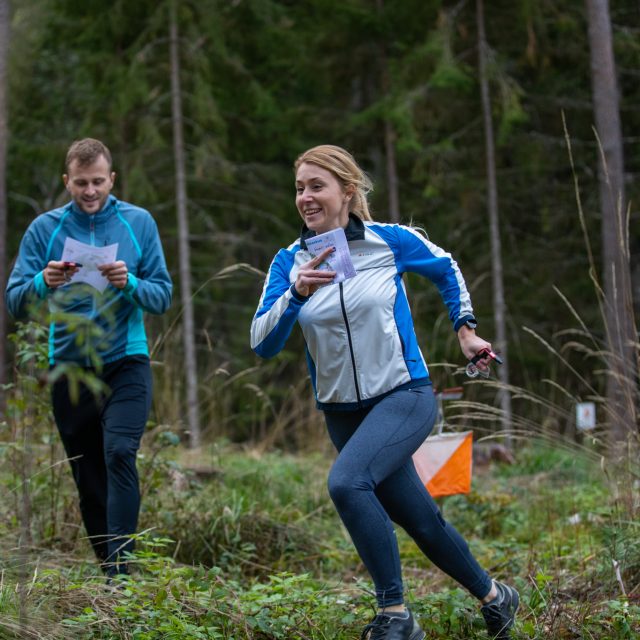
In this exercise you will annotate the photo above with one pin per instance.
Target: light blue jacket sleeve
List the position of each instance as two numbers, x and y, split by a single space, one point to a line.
278 308
152 288
26 283
417 254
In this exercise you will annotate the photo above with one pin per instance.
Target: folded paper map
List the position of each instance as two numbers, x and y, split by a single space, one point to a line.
340 260
90 258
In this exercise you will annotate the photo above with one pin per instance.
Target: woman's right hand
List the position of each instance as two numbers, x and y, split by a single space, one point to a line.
310 278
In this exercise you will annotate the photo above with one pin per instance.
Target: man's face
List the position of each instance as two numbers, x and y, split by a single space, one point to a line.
89 185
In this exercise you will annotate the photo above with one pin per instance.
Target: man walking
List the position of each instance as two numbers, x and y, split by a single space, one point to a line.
98 263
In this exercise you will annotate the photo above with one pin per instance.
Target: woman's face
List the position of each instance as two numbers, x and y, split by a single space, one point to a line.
320 198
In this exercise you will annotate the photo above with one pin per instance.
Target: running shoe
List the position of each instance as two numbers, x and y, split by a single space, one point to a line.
389 626
500 613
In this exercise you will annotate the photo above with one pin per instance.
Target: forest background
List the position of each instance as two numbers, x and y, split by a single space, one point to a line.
398 84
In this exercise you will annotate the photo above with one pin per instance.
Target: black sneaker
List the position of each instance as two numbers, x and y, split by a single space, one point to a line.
387 626
500 613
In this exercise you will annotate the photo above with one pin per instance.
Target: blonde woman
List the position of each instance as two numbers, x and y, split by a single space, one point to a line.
372 383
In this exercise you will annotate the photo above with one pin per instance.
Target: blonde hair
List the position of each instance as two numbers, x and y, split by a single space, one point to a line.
346 170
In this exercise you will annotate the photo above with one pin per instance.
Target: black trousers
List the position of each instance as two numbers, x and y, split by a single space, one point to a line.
101 437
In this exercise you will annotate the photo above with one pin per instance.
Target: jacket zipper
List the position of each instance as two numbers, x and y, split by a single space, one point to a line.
92 242
353 358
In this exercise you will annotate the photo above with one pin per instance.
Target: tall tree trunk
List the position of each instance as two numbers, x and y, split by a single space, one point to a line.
499 306
392 170
184 258
5 18
620 325
389 133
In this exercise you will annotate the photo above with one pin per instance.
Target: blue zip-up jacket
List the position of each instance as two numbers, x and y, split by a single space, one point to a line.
359 334
116 314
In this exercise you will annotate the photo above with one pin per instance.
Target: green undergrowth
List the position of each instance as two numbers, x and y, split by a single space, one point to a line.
247 513
237 544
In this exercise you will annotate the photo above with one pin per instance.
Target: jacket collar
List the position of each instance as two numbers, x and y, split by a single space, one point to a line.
109 207
354 231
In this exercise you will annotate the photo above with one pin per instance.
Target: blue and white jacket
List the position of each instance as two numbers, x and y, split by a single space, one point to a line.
118 314
360 339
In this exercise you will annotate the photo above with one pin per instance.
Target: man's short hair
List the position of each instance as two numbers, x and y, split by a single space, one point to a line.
86 152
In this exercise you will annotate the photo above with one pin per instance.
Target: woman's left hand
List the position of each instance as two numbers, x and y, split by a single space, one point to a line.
471 344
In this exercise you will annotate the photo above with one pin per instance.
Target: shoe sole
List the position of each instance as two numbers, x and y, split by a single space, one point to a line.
515 598
416 635
515 601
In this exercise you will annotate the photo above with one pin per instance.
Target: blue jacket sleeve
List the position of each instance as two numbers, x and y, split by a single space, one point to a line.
417 254
26 283
152 288
278 308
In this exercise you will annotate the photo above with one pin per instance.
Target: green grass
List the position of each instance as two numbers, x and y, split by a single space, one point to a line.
253 550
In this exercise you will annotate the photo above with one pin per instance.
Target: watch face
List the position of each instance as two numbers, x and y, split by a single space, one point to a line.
471 324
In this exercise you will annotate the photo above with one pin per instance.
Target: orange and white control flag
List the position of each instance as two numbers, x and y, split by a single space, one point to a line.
444 463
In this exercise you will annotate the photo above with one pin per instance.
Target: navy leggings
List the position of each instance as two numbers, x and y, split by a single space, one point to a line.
374 482
101 438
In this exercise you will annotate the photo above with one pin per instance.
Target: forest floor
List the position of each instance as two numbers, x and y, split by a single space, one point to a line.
239 544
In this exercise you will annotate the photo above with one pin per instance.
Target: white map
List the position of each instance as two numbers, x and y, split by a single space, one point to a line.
340 260
90 258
